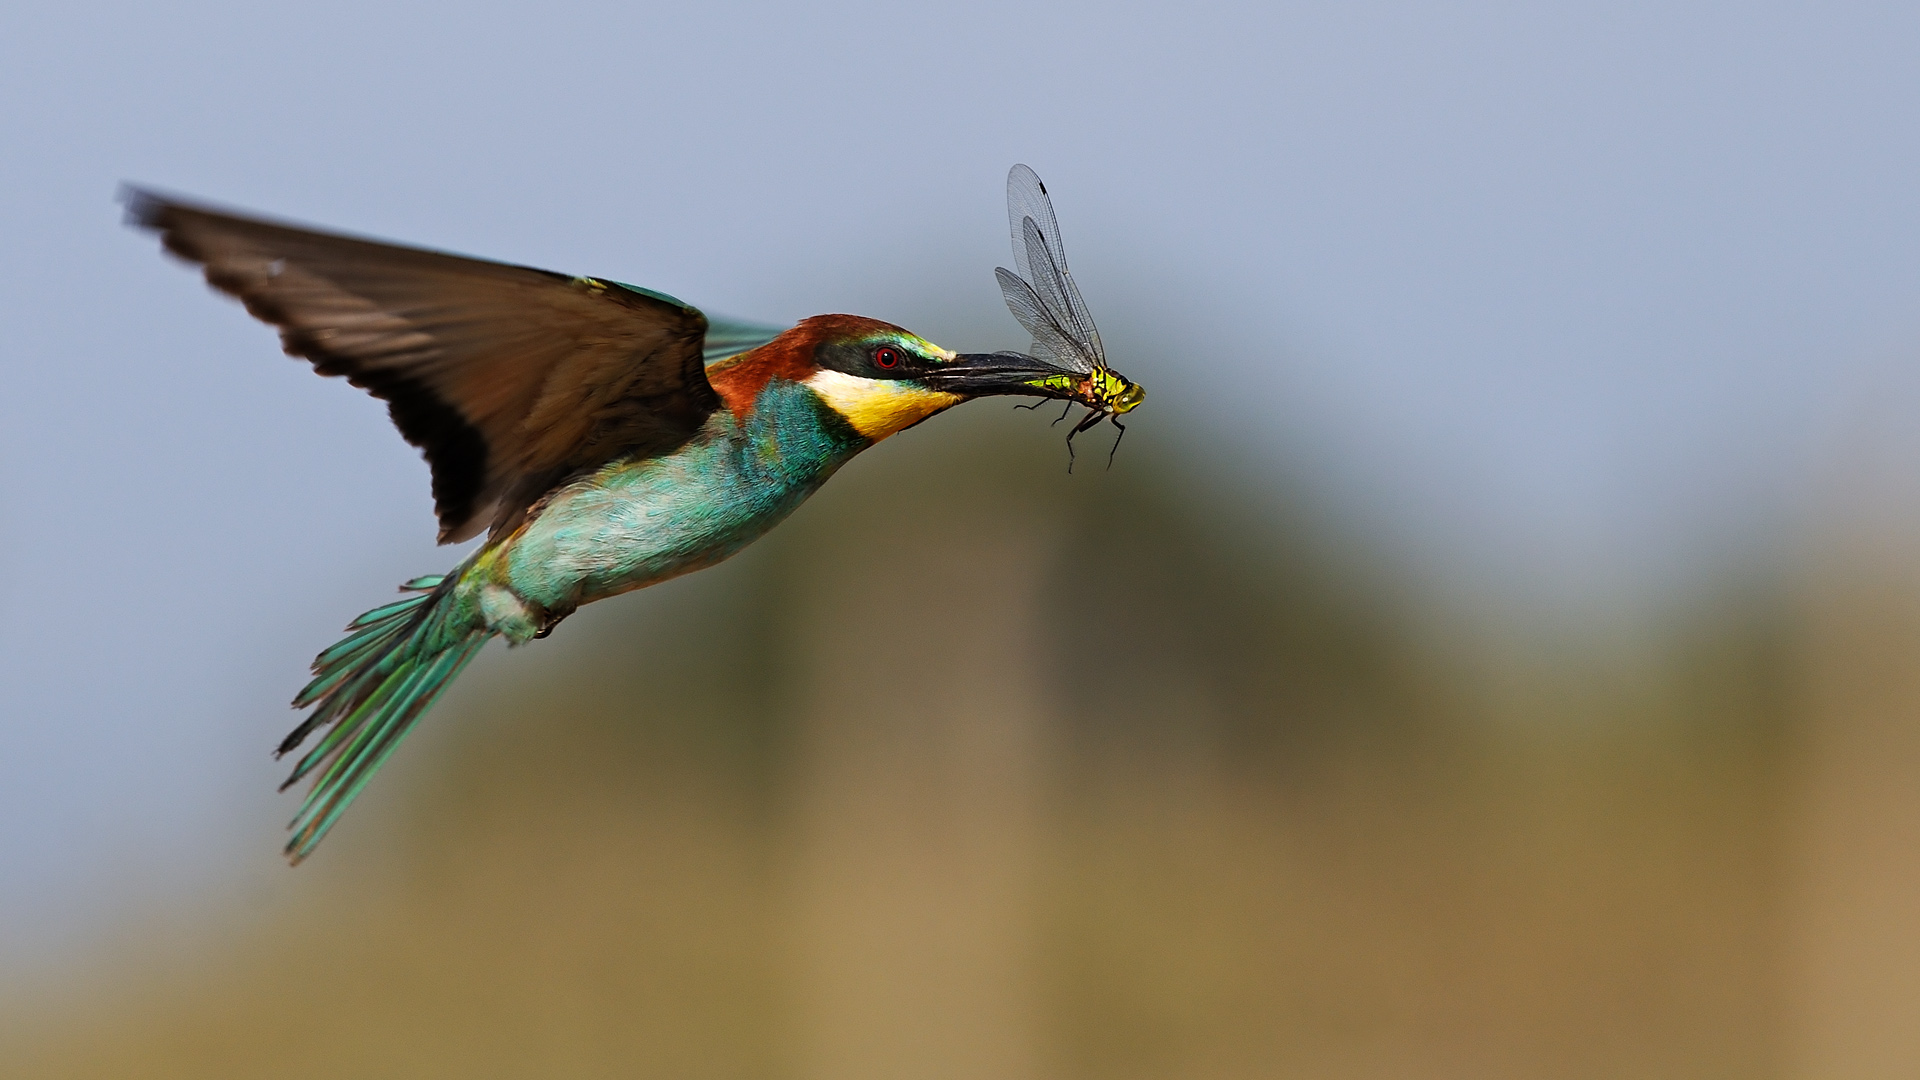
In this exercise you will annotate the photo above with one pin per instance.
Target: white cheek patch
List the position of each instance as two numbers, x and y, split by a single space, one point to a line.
878 407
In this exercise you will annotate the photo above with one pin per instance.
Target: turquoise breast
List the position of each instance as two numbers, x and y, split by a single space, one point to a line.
636 522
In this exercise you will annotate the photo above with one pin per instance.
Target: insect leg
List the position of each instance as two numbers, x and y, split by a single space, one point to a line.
1116 439
1086 422
1063 416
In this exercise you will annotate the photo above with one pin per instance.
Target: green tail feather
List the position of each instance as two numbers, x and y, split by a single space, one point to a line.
370 687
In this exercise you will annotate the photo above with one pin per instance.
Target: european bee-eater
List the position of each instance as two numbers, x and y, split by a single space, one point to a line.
605 437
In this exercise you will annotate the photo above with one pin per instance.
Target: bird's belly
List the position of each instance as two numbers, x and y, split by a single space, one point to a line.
637 523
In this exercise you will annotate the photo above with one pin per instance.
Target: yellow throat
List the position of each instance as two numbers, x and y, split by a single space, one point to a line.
879 407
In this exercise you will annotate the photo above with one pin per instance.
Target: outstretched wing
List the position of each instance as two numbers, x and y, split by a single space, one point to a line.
508 378
1040 292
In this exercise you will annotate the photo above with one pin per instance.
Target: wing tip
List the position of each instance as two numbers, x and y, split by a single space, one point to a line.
159 213
145 209
151 208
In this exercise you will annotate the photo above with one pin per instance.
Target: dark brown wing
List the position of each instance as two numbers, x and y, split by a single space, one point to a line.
508 378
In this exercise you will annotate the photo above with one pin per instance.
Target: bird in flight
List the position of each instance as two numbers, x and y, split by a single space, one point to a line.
604 437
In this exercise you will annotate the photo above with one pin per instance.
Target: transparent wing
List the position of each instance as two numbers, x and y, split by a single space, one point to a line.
1041 262
1051 341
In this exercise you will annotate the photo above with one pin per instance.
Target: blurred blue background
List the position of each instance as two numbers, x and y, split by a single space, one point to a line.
1558 310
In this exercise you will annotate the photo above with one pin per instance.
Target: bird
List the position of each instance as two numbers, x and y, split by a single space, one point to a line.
603 437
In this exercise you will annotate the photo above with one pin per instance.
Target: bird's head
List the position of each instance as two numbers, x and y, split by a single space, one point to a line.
881 378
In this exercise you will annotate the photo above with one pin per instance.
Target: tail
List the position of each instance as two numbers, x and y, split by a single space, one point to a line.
371 687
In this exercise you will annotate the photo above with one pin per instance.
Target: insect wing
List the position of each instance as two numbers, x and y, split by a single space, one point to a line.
1055 287
1041 259
1027 198
1051 341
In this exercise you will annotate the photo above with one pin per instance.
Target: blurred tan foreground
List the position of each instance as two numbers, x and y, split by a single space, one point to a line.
979 770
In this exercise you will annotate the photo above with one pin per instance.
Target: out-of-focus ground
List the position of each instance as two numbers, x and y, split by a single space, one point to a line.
976 769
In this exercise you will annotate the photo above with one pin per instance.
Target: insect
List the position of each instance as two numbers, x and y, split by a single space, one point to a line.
1042 296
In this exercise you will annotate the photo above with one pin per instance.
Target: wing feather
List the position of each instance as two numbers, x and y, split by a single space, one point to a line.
508 378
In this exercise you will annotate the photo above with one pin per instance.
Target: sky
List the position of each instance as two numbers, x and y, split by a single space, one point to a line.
1564 301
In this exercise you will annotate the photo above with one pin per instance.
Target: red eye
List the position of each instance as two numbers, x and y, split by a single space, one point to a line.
886 356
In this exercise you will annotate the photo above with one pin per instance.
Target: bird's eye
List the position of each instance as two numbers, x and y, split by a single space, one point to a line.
887 356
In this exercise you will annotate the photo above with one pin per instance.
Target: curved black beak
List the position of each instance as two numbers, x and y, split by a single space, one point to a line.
1102 389
985 374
